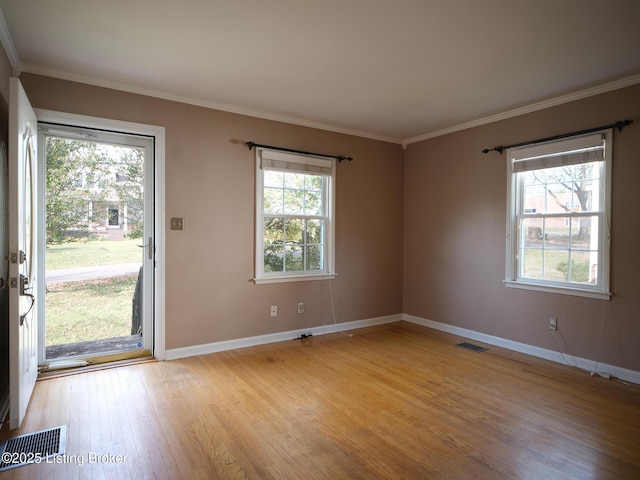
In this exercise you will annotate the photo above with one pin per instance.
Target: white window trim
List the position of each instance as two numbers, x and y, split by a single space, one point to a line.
600 291
311 162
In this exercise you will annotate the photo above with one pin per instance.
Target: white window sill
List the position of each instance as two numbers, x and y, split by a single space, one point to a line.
294 278
579 292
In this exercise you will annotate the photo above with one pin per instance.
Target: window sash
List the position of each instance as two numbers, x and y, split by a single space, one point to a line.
573 251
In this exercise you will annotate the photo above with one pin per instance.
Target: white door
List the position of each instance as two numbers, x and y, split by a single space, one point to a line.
23 335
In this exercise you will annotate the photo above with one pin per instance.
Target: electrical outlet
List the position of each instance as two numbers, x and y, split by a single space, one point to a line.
553 323
300 307
274 310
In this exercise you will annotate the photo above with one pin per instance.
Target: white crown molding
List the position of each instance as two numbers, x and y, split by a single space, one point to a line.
49 72
225 107
552 102
9 47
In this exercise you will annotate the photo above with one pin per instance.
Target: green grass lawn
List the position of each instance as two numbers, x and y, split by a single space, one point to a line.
91 253
91 310
556 266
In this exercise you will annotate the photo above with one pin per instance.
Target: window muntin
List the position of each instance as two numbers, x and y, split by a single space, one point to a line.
294 227
558 235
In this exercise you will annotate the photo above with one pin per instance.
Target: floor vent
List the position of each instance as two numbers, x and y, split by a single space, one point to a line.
471 346
32 447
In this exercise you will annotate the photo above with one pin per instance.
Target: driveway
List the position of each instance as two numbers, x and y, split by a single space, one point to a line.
91 273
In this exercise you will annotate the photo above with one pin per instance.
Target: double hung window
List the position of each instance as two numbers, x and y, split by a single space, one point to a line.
558 215
294 217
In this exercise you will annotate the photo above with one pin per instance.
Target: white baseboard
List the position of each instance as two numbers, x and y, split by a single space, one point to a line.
175 353
582 363
558 357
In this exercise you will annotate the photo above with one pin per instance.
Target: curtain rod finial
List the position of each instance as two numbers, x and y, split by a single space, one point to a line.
623 123
498 149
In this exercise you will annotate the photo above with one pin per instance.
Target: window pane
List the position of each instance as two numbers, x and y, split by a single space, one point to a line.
532 231
273 200
314 231
584 233
556 232
559 198
273 258
534 199
556 265
313 182
293 230
559 174
293 258
313 203
583 197
294 180
586 171
531 263
581 268
314 257
293 202
273 231
273 179
535 177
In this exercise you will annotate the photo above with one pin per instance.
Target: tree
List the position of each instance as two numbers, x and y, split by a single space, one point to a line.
127 183
82 176
68 163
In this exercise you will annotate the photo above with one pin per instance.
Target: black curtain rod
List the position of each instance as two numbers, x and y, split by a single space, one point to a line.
338 157
619 125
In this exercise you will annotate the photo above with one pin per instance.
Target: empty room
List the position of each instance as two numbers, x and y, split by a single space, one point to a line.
320 240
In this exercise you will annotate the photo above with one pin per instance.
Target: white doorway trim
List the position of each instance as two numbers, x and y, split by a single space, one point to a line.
159 212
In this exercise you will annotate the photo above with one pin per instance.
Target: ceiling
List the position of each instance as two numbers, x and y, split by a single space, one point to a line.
396 70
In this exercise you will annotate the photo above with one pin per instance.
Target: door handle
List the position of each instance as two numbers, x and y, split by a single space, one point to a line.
24 281
150 247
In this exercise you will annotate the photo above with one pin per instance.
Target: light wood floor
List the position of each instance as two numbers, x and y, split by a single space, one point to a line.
393 401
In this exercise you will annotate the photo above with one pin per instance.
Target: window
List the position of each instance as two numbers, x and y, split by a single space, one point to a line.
114 217
558 215
294 217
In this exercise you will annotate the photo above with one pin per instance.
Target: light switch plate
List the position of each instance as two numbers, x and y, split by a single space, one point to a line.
176 223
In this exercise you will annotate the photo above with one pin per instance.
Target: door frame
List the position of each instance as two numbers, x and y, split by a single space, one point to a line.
158 133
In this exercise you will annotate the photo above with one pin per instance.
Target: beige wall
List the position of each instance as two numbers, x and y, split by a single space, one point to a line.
210 182
455 217
454 226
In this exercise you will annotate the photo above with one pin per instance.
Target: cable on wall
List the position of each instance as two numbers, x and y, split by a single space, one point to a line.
340 158
619 125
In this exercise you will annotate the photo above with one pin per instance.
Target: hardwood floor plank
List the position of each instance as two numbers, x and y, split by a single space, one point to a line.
394 401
